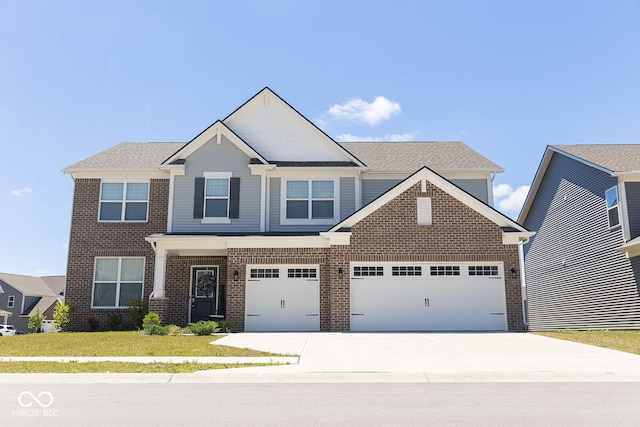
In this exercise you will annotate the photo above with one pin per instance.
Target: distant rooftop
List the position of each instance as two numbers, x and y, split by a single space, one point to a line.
615 157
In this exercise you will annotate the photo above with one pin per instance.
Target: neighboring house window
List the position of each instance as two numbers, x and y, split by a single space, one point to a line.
612 206
11 301
117 281
309 201
124 201
217 197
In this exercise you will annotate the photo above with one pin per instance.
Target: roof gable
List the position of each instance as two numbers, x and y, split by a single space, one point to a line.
213 132
34 286
281 133
424 175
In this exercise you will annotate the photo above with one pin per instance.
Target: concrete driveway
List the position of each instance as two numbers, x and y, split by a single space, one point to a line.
435 357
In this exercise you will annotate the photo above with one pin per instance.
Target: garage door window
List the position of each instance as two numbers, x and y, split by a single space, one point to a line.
483 270
265 273
406 270
302 273
368 271
445 270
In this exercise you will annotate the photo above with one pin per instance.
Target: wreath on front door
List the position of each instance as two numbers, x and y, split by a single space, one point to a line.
206 284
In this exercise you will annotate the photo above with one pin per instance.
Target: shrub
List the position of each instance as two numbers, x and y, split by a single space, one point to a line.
153 329
114 322
174 330
203 327
151 318
36 321
137 311
225 325
62 316
93 323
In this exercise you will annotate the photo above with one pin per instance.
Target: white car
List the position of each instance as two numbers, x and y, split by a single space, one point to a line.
7 330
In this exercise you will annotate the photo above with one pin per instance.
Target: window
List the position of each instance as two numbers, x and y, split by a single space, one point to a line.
11 301
216 198
124 201
483 270
445 270
611 196
406 270
309 200
117 281
267 273
302 273
368 271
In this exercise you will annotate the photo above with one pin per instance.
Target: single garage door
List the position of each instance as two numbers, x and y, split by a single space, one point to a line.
428 297
282 298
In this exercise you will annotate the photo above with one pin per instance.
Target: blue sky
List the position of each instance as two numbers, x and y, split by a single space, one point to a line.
505 77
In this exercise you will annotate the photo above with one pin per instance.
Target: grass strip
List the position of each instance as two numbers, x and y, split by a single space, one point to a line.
627 341
127 343
113 367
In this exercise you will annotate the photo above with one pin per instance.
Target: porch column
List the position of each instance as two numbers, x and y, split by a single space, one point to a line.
158 275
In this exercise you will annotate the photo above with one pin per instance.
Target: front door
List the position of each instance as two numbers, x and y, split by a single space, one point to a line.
205 294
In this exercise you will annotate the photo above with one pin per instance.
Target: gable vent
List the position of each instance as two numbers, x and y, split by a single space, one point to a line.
424 210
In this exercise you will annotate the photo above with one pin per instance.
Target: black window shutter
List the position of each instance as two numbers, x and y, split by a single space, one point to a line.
198 198
234 198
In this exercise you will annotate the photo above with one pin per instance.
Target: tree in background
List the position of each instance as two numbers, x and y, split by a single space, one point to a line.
36 320
61 316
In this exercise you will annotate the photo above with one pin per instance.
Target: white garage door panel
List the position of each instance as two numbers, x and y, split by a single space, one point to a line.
283 303
422 303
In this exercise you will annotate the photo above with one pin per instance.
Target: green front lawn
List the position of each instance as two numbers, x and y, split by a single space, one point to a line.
112 367
128 343
627 341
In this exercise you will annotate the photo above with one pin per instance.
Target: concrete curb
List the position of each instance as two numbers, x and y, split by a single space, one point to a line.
157 359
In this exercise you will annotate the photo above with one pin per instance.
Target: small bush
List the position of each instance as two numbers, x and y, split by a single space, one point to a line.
137 310
62 316
174 330
225 325
93 323
114 322
36 320
203 327
153 329
151 319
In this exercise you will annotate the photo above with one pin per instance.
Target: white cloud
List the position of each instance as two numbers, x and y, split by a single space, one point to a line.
21 191
360 110
508 200
393 137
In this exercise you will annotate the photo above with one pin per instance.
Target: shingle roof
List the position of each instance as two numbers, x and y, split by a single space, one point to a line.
378 156
410 156
34 286
128 156
615 157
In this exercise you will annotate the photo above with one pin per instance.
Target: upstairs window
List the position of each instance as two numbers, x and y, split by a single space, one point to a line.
611 196
124 201
216 198
309 201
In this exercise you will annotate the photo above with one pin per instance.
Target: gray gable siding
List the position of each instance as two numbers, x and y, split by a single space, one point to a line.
347 188
20 323
373 188
633 207
213 157
575 277
476 187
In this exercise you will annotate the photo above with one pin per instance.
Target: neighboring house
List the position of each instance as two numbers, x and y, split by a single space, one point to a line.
265 220
24 294
582 266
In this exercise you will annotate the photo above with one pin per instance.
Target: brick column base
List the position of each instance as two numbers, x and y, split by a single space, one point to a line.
160 306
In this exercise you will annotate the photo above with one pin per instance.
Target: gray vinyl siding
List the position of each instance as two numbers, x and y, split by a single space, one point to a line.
20 323
347 188
476 187
633 207
373 188
575 277
211 157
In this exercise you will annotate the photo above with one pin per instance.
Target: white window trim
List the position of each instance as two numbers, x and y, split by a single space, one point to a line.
93 280
617 207
124 201
309 221
216 220
11 301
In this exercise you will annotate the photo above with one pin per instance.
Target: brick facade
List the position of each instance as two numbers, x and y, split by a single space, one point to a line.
457 234
90 238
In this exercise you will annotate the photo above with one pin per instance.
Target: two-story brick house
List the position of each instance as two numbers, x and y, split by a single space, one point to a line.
265 220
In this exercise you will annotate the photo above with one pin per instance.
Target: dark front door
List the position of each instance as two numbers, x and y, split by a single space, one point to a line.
204 293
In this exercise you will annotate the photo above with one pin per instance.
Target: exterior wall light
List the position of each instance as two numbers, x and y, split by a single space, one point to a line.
340 273
235 276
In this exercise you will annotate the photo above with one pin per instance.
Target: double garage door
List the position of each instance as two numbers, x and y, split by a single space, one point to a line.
428 297
282 298
384 297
